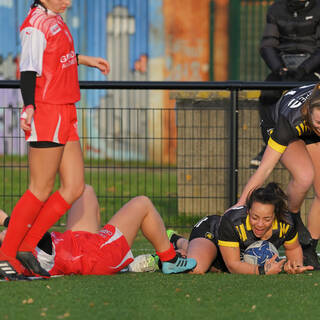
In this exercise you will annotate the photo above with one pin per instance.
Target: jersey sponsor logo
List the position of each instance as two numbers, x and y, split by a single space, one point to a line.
300 100
68 59
209 235
55 29
269 131
106 232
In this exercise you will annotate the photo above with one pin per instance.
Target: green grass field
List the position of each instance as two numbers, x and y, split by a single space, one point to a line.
151 295
158 296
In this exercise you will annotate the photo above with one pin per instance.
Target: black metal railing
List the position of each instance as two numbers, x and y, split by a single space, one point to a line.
235 141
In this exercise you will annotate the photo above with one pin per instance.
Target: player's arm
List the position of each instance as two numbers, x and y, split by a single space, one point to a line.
270 43
312 63
94 62
269 160
231 257
294 256
33 44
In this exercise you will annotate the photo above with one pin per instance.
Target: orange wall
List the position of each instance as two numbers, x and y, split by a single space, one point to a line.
186 39
187 50
221 40
186 26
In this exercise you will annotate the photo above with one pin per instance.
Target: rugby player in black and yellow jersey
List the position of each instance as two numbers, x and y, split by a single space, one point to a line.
217 243
294 135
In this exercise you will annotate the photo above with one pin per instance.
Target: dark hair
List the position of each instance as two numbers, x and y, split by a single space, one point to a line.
36 3
271 194
312 103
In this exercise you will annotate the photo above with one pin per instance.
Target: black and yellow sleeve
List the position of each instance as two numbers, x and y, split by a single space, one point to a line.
227 236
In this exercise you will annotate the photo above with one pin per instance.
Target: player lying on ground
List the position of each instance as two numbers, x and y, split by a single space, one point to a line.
84 248
292 135
217 243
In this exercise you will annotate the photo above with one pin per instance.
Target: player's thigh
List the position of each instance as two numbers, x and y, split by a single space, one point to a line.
204 251
72 170
43 164
84 214
297 160
130 217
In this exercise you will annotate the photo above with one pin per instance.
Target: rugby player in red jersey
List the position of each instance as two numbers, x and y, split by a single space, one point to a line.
50 89
84 248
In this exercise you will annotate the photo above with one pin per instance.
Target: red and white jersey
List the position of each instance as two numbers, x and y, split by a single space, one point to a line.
48 49
80 252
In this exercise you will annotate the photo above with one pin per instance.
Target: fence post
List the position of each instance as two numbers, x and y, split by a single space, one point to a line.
233 148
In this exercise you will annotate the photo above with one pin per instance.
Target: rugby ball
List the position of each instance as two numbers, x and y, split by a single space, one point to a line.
259 252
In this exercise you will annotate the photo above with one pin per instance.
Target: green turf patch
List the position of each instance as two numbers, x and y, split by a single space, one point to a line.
158 296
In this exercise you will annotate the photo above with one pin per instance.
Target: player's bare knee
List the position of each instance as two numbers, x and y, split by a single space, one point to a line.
88 190
42 192
72 192
304 181
143 201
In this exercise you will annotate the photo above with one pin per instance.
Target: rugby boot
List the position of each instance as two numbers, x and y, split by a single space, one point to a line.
10 268
30 262
178 265
310 256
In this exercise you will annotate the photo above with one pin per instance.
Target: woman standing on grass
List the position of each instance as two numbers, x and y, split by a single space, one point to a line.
217 243
84 248
50 89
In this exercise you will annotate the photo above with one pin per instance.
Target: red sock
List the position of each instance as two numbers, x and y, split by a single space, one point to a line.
167 255
22 218
51 212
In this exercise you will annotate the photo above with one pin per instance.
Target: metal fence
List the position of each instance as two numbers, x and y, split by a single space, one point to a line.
247 22
191 157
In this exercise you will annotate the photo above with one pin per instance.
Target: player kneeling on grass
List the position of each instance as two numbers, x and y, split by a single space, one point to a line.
217 243
84 248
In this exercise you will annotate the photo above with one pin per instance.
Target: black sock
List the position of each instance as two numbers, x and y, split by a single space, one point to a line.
173 260
296 216
174 239
314 243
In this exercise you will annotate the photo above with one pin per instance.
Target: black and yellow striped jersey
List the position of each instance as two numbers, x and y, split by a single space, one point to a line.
288 122
235 230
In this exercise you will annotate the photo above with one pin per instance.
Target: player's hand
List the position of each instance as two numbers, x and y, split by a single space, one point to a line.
292 267
272 266
102 64
26 118
95 62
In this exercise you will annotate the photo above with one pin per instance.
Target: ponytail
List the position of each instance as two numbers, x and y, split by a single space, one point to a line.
37 3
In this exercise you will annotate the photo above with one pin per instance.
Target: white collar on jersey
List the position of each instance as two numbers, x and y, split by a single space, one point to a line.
51 13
